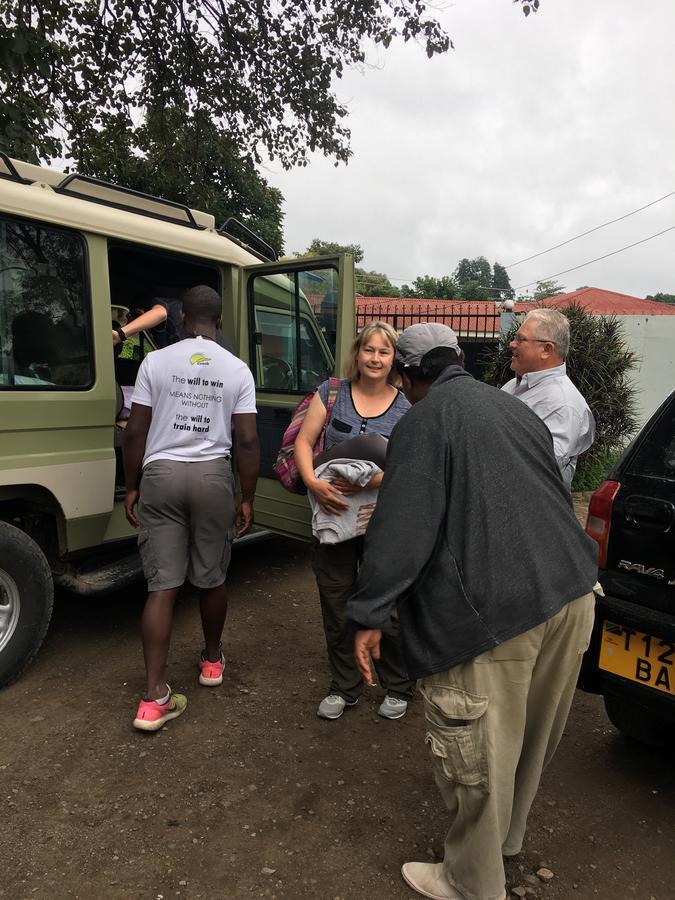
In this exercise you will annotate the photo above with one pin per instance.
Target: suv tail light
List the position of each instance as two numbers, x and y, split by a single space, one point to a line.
599 517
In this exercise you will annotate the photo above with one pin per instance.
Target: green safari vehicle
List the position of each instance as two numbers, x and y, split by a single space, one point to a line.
75 254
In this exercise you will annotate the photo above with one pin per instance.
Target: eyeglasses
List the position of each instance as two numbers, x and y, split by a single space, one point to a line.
519 338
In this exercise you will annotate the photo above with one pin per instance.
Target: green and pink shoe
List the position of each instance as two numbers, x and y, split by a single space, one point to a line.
151 715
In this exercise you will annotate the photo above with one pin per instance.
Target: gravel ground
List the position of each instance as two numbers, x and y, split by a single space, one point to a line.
250 795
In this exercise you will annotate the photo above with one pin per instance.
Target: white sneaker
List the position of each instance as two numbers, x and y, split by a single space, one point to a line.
332 706
428 880
392 708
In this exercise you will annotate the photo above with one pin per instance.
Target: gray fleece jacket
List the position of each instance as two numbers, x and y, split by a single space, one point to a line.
474 538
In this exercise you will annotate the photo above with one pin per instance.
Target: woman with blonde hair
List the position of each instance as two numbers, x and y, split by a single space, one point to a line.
368 401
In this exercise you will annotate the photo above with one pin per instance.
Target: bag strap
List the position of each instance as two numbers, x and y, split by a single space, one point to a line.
333 390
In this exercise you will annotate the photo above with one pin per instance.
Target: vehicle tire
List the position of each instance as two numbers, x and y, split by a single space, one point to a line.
639 723
26 600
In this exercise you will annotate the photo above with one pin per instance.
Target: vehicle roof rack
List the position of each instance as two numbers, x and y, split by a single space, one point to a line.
85 187
252 242
8 169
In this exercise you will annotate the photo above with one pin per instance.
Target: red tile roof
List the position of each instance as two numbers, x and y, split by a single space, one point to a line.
596 300
607 303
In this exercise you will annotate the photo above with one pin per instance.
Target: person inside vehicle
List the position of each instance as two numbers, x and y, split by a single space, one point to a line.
367 401
130 345
146 315
161 317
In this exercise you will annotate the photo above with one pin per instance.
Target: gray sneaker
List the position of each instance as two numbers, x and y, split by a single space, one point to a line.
332 706
392 708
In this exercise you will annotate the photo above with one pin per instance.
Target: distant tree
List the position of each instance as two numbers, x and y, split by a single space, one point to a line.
329 248
374 284
600 364
432 288
501 282
661 298
477 269
546 289
474 279
370 284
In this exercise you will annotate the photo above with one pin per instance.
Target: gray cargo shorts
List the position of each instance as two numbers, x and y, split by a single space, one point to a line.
186 511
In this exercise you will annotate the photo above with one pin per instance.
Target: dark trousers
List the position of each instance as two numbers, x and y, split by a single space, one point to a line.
335 567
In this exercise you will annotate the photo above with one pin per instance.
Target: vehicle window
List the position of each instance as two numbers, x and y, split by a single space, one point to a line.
44 309
293 329
316 365
656 456
320 287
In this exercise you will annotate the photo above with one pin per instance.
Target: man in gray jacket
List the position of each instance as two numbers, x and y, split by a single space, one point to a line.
475 542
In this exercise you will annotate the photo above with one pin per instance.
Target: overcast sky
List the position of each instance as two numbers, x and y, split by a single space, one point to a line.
529 132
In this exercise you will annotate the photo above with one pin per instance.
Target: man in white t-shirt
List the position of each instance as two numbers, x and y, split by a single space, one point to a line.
177 447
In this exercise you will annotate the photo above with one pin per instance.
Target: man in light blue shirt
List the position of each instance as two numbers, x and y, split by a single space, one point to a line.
538 354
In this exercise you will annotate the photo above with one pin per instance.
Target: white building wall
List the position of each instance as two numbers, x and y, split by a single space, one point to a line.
652 339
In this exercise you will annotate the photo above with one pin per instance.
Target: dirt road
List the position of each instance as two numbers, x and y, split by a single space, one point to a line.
250 795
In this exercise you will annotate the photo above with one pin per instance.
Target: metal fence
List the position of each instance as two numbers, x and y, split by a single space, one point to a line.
477 322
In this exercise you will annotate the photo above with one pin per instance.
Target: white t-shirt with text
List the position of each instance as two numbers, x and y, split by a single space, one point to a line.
194 388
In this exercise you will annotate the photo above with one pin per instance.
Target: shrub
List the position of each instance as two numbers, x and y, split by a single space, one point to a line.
593 469
599 363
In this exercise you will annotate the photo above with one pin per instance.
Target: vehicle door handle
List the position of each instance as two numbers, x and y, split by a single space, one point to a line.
648 512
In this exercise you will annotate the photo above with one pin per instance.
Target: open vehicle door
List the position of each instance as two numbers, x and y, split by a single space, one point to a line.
297 324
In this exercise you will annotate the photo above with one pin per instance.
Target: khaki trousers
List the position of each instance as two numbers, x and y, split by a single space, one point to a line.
493 724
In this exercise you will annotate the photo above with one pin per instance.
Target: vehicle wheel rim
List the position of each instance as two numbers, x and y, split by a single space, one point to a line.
10 605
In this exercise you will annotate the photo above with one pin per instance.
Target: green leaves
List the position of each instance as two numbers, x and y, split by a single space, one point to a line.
546 289
261 72
214 87
529 6
374 284
429 287
328 248
473 279
501 283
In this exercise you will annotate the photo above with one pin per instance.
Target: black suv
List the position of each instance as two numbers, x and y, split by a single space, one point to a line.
631 659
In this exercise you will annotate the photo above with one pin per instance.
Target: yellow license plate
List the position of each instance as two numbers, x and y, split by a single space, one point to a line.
638 657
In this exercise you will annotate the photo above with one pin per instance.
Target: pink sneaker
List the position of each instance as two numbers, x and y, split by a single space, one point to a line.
151 716
211 673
